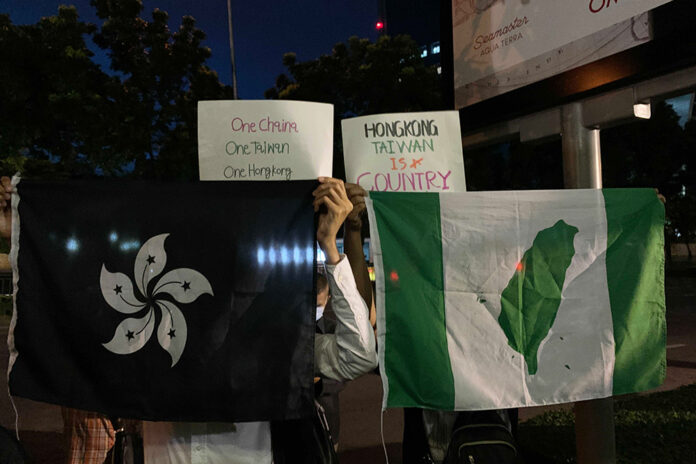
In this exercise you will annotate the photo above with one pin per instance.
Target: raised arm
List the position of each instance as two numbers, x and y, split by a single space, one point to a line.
353 241
350 352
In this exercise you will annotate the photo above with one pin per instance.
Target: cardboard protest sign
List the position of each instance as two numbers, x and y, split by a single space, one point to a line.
405 152
264 140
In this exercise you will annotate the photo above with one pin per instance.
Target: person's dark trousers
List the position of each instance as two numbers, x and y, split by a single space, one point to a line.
329 401
414 448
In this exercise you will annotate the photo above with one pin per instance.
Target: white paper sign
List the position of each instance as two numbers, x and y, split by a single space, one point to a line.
405 152
264 140
492 36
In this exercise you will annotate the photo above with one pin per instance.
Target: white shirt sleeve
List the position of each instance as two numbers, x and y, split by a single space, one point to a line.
350 351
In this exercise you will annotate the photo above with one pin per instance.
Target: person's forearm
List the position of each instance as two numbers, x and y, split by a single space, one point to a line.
350 352
330 250
353 247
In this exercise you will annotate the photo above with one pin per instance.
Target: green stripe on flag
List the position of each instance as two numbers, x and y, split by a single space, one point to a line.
417 361
635 276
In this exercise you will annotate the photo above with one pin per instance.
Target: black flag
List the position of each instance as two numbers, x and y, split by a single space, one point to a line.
165 301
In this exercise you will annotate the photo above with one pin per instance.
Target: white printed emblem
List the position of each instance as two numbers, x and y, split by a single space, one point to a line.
182 285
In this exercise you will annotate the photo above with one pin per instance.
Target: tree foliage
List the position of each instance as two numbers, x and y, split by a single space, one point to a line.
68 117
361 77
52 93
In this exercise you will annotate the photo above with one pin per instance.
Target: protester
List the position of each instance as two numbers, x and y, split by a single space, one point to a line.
89 436
345 355
328 390
326 319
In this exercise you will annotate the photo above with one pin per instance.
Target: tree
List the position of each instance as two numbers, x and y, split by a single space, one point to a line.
77 120
52 94
361 77
164 76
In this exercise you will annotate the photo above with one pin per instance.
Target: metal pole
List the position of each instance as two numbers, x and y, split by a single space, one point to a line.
582 168
232 65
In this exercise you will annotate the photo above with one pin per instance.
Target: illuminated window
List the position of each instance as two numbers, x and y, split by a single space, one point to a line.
424 52
435 48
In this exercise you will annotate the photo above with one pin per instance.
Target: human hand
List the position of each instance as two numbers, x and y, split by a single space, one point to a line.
333 205
356 195
5 210
661 197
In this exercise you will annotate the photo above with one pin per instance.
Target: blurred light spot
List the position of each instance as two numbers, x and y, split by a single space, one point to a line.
394 276
309 254
297 255
321 257
284 255
72 245
261 255
113 236
272 256
129 245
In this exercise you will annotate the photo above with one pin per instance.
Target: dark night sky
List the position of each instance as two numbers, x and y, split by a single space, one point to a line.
263 31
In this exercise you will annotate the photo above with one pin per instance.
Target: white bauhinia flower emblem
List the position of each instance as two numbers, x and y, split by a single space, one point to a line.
182 285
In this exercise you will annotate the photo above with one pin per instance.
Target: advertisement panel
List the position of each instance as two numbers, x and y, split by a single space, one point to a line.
500 46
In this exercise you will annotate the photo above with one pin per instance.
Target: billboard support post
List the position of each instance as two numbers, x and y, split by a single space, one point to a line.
582 168
582 161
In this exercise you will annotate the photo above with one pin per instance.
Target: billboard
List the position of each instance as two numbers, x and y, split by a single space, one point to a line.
501 46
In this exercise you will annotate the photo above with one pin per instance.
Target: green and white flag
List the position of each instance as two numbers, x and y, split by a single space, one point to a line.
491 300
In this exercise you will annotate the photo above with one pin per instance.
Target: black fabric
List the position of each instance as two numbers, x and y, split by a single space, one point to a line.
11 452
306 441
414 448
127 449
329 400
249 349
